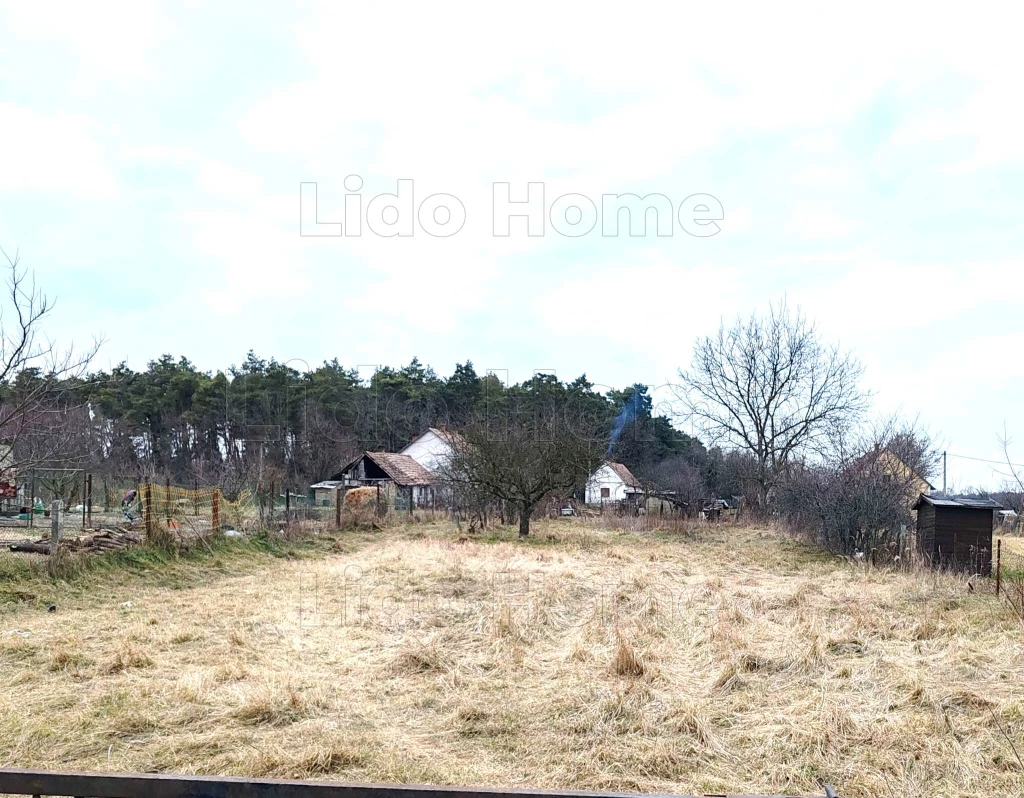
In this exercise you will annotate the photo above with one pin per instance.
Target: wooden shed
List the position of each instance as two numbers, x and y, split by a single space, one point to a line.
411 479
956 533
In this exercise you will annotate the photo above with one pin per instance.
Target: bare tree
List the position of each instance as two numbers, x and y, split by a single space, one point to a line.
860 498
522 459
41 417
770 386
1012 494
679 475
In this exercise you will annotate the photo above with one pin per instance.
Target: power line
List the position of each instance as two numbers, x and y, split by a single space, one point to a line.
983 460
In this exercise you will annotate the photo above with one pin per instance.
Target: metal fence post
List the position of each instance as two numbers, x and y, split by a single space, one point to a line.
337 506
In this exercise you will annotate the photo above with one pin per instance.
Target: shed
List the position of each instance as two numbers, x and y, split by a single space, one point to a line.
956 533
375 468
324 494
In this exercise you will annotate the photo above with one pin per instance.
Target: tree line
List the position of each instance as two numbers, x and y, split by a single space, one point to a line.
266 421
781 414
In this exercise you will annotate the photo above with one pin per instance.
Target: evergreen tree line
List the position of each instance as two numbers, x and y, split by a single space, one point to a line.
267 422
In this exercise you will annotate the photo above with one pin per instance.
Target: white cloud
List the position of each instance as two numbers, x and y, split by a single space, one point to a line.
54 152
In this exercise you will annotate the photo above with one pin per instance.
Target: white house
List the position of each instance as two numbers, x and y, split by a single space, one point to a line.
611 482
432 448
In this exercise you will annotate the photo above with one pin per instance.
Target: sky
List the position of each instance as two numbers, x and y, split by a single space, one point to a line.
868 162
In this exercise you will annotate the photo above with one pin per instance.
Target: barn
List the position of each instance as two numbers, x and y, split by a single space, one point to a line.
411 479
956 533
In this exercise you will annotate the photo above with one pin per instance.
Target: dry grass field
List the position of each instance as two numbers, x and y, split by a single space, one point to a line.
725 660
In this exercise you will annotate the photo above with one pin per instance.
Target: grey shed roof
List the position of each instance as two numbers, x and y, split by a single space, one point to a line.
938 500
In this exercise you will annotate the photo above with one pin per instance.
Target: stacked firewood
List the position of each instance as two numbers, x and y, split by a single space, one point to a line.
90 540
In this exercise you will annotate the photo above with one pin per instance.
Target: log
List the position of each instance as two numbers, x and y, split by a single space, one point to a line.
31 547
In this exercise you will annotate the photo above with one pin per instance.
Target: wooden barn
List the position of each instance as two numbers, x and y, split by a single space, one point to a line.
410 479
956 533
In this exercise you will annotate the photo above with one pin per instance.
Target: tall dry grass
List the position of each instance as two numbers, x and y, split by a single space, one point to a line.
718 660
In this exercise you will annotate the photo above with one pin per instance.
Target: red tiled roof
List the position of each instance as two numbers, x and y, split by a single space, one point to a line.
402 469
623 474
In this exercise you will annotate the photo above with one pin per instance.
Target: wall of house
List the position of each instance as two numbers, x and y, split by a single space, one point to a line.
429 450
604 477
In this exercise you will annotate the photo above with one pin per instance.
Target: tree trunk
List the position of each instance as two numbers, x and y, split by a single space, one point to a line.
524 520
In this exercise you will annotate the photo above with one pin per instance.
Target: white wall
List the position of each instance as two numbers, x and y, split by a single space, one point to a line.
604 477
429 450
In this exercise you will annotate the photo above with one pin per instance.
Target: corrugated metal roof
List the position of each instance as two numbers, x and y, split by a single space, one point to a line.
327 484
939 500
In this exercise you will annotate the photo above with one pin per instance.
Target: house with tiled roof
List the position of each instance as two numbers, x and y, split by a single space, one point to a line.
611 482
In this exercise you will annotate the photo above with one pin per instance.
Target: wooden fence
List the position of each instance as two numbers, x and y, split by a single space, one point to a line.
149 785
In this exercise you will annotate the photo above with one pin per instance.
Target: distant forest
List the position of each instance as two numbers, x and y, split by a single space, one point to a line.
265 421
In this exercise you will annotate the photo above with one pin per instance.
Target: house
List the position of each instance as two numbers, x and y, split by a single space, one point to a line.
410 478
611 482
956 533
891 466
432 448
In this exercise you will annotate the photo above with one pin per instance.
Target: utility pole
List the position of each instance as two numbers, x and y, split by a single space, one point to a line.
943 473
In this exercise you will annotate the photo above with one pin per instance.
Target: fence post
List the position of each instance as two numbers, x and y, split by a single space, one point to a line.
88 495
54 537
54 527
215 520
287 506
147 511
167 500
337 506
999 563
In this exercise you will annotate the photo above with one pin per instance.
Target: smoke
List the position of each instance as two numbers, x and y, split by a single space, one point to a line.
625 416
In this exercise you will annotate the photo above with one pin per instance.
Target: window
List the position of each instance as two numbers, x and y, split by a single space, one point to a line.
605 493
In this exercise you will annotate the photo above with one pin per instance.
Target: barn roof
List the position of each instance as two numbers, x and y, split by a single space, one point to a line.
940 500
402 469
623 473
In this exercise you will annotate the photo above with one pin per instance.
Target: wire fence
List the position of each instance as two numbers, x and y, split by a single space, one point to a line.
1008 572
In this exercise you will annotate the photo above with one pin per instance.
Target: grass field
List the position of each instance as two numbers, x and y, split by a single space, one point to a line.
728 660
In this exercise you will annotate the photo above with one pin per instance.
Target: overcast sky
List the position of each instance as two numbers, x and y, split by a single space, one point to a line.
869 165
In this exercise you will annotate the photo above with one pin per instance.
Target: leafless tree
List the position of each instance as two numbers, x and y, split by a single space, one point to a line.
522 460
679 475
860 498
771 386
41 418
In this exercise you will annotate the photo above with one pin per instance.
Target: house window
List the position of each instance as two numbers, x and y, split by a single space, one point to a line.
605 493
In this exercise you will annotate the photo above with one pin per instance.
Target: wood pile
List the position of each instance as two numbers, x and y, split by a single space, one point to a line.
90 540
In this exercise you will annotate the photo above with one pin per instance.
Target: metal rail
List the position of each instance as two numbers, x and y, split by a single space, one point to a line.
160 785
